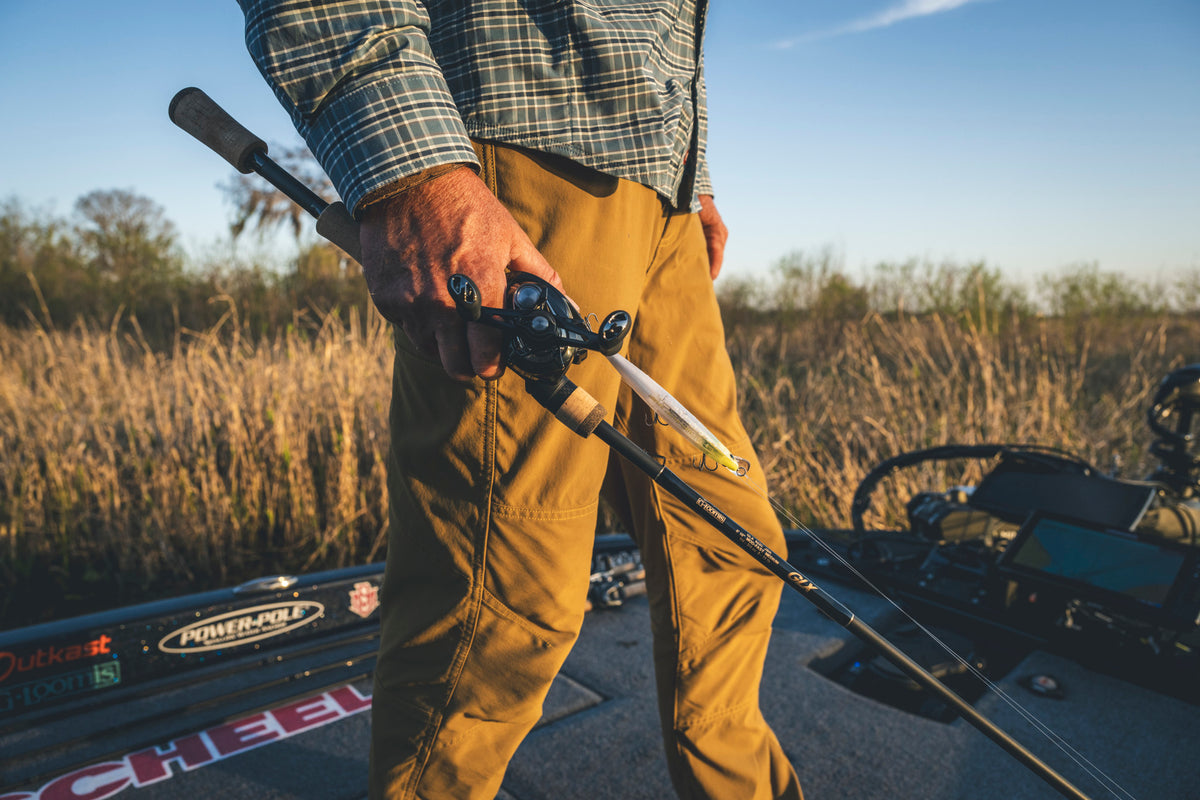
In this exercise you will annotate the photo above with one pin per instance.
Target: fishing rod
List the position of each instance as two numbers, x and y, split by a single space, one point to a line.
544 334
584 415
195 112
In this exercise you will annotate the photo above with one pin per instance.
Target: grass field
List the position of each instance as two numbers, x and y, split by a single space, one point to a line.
128 473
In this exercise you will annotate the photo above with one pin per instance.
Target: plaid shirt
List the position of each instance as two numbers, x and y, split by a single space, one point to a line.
383 89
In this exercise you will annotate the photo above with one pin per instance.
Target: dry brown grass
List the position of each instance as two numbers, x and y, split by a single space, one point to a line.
825 406
127 474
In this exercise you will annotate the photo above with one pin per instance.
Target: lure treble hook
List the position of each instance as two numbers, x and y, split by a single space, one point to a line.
675 415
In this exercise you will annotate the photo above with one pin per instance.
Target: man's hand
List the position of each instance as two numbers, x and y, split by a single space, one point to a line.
715 234
414 241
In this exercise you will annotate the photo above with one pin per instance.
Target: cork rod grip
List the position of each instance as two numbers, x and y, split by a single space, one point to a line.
195 112
573 406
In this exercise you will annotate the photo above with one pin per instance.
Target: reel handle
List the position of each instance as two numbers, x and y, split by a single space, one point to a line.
543 330
466 297
613 331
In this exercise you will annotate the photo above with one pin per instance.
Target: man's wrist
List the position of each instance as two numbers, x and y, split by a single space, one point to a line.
407 183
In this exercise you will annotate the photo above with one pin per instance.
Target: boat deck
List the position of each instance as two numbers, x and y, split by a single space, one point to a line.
599 737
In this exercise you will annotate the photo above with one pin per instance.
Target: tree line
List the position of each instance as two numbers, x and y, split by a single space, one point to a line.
815 284
117 261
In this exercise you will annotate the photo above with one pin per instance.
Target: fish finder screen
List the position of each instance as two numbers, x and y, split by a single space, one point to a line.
1137 569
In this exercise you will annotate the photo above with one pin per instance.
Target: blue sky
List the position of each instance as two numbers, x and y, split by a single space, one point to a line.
1032 134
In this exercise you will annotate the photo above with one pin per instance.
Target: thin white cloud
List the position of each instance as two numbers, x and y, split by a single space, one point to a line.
908 9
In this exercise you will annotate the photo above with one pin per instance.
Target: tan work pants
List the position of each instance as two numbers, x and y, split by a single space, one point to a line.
494 508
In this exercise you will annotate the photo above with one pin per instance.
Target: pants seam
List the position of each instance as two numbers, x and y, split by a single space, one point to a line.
479 568
659 239
727 711
503 510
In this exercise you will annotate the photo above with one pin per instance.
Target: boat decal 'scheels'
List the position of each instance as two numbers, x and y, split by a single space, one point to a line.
246 625
163 762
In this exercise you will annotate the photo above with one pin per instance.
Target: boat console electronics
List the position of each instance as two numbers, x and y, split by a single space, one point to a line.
1154 579
1047 552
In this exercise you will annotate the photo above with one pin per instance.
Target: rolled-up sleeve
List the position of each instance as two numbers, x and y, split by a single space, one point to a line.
362 87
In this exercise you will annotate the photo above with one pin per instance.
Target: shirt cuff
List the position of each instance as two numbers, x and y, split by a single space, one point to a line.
390 190
387 129
703 181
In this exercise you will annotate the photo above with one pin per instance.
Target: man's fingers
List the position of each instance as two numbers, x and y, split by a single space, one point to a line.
484 345
465 350
422 338
715 234
716 255
454 352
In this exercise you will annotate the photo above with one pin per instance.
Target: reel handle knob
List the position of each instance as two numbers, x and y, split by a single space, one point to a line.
466 297
544 332
613 331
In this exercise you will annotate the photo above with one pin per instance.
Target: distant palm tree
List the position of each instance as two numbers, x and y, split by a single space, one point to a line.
260 206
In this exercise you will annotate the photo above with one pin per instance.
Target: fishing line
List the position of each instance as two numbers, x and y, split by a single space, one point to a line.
680 419
1111 785
545 335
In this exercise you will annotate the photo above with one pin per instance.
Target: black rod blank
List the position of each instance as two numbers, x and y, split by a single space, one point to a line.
827 604
196 113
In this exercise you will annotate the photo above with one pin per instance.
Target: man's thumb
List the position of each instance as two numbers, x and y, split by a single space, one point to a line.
526 258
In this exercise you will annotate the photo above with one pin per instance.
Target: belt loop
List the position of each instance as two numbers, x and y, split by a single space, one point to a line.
486 153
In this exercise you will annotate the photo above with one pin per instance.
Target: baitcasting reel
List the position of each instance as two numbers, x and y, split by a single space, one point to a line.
544 333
